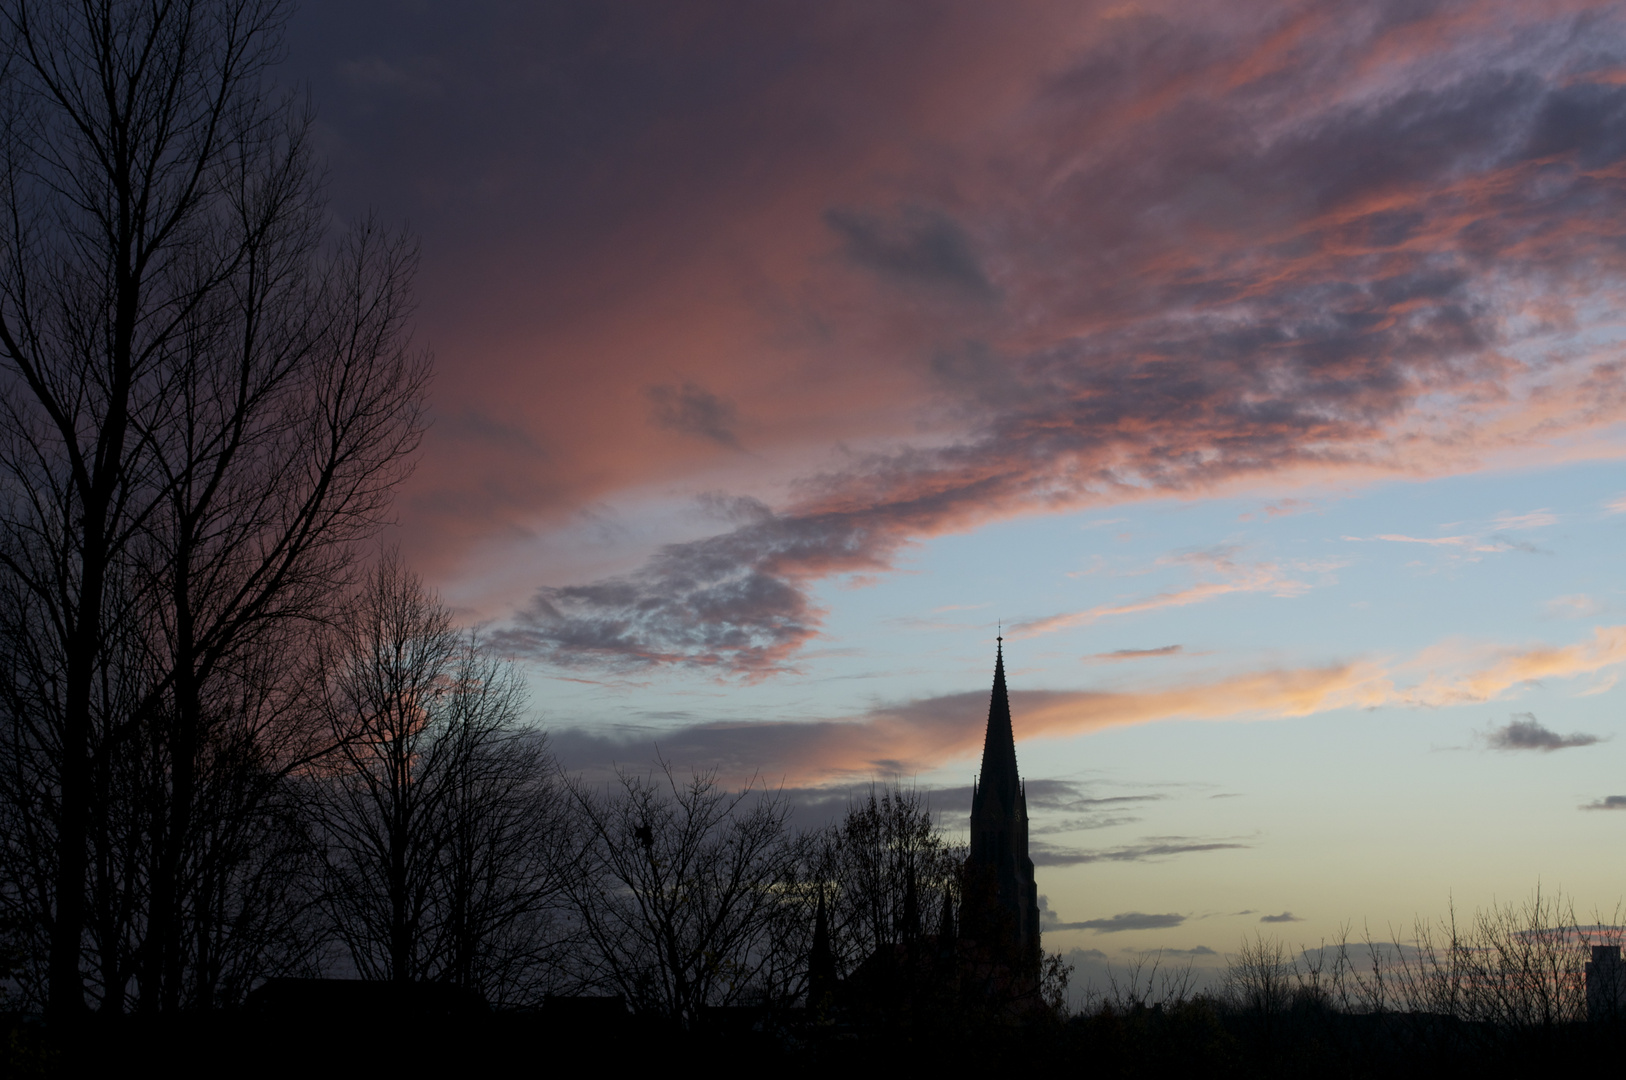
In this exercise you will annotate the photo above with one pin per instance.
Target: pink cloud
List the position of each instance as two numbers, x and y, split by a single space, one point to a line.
933 267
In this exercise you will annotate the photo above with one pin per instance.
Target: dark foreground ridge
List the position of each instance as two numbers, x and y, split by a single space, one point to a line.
371 1029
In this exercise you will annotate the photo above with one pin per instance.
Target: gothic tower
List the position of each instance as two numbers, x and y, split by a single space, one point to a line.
1000 909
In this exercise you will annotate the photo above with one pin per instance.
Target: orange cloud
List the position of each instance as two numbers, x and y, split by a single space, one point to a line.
1512 668
928 733
924 734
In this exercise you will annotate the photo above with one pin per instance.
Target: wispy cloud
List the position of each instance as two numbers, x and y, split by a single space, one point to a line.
1284 917
1602 686
1437 541
1471 546
1234 577
1282 508
1535 519
1574 606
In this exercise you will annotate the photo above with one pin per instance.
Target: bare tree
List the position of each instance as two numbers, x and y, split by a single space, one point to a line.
201 414
445 837
1513 970
509 848
297 410
888 868
1261 982
683 886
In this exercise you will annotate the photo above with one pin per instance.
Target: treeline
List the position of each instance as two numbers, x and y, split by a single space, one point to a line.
1503 992
234 742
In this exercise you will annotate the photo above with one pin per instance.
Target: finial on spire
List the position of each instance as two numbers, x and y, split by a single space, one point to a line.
999 631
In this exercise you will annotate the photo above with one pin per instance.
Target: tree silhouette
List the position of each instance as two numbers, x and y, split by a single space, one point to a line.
445 841
683 887
202 411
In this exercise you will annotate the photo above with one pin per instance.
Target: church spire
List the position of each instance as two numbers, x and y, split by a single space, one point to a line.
999 777
1000 905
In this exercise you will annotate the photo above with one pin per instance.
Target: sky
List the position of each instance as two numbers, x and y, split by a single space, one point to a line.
1255 367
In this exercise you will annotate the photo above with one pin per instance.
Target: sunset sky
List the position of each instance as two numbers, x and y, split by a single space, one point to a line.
1258 366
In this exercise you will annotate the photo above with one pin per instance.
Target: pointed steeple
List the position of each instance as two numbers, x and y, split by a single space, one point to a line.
999 778
1000 905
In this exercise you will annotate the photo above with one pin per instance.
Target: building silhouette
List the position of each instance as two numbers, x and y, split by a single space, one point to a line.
1605 985
985 959
1000 906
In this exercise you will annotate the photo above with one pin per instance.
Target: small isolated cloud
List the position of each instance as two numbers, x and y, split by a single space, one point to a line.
1525 732
1286 916
917 246
1535 519
1287 507
1134 654
1608 802
1573 606
1128 920
693 410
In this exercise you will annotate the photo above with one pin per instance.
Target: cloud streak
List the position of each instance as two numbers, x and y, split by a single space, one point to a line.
1117 924
1153 851
1135 654
1235 578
